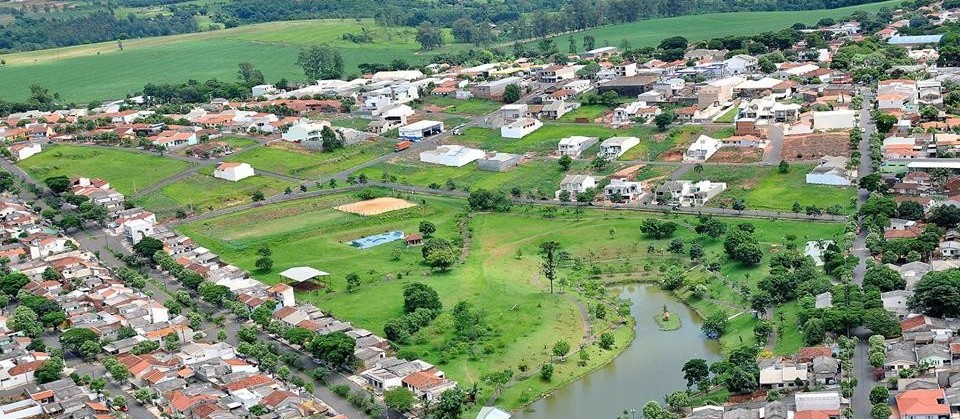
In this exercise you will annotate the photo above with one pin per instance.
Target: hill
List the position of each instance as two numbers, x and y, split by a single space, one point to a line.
712 25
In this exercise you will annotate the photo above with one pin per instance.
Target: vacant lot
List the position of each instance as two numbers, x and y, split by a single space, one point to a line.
102 71
472 107
766 188
127 171
525 320
201 192
289 159
589 112
545 139
814 146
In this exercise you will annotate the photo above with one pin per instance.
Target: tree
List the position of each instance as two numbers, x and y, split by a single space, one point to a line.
25 320
883 279
429 36
910 210
417 295
879 394
320 62
813 331
548 267
399 399
450 405
880 411
249 75
145 347
884 121
58 184
657 229
511 93
11 283
90 349
565 162
439 253
589 42
698 169
334 348
264 264
678 400
784 167
561 348
353 282
664 120
938 294
606 341
49 371
695 371
147 247
143 396
715 324
487 200
427 228
546 372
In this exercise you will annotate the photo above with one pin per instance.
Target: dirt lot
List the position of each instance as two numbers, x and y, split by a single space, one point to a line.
814 146
376 206
737 155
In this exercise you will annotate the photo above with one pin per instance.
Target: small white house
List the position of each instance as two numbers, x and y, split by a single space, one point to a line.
614 147
233 172
452 155
136 230
305 131
575 145
702 149
832 170
830 120
576 184
950 249
23 151
520 128
262 90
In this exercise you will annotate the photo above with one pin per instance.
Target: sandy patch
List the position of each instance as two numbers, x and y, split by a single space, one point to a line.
376 206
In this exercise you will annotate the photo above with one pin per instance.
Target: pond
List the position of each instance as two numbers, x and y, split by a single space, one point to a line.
647 370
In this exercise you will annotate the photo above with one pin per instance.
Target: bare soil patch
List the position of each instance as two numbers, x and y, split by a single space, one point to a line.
376 206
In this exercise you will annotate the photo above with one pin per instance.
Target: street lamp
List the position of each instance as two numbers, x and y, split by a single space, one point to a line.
633 413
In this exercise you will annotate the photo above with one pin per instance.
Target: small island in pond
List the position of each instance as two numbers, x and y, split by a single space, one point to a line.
666 320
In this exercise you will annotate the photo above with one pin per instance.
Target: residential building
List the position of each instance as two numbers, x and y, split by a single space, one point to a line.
778 375
556 73
520 128
834 120
514 111
702 149
136 230
575 145
627 190
625 113
718 92
625 69
923 404
688 194
305 131
493 90
741 63
375 101
614 147
576 184
233 171
557 108
452 155
22 151
498 162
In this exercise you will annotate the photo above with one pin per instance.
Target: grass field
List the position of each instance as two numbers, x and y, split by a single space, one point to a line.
288 160
525 320
728 116
767 188
591 112
705 26
102 71
201 192
664 145
473 106
127 171
545 139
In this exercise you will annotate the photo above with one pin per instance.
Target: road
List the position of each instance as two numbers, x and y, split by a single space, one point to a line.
865 382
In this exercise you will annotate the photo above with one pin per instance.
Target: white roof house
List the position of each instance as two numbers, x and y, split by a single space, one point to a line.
832 170
490 412
452 155
233 171
702 149
407 75
520 128
821 400
781 375
24 150
576 184
614 147
305 131
829 120
575 145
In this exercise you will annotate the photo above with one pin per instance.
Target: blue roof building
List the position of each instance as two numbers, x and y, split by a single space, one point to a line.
915 40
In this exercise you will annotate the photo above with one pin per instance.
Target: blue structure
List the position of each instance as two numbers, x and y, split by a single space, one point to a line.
368 242
915 40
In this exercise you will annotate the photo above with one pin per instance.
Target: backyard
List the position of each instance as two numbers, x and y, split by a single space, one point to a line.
127 171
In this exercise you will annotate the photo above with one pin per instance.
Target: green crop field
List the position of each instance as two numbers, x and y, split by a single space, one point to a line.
201 192
308 165
525 319
102 71
712 25
766 188
127 171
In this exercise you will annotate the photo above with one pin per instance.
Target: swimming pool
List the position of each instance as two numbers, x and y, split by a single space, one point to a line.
371 241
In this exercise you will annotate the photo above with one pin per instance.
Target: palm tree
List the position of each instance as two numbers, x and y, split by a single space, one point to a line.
698 169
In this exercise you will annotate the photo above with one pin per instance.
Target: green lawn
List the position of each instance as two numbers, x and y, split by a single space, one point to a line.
657 147
359 124
728 116
545 139
127 171
202 192
789 337
288 160
101 71
767 188
472 107
649 33
591 112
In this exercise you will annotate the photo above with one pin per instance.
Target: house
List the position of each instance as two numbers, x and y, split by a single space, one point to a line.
718 92
624 114
702 149
625 69
780 374
832 170
520 128
814 249
576 184
923 404
575 146
22 151
899 358
950 249
625 190
826 370
688 194
818 401
493 90
831 120
175 139
614 147
555 73
283 293
375 101
136 230
599 52
262 90
498 162
557 108
514 111
233 171
452 155
741 63
896 302
420 130
305 131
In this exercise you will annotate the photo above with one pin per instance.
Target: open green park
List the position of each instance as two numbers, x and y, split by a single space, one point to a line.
127 171
522 319
765 188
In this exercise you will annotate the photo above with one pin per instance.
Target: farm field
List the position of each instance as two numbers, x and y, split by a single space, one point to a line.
201 192
101 71
310 233
289 160
766 188
127 171
545 139
697 27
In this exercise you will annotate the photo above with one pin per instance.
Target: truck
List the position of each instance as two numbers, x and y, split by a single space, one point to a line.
403 145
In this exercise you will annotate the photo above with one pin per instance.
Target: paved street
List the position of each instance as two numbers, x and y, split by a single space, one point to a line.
865 382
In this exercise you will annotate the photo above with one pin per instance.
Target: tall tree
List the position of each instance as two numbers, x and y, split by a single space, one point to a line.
249 75
429 36
549 265
320 62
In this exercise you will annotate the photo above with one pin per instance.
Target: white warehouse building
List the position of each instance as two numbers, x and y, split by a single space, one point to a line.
452 155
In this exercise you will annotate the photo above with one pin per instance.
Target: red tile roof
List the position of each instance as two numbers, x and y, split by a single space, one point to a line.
251 381
922 402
